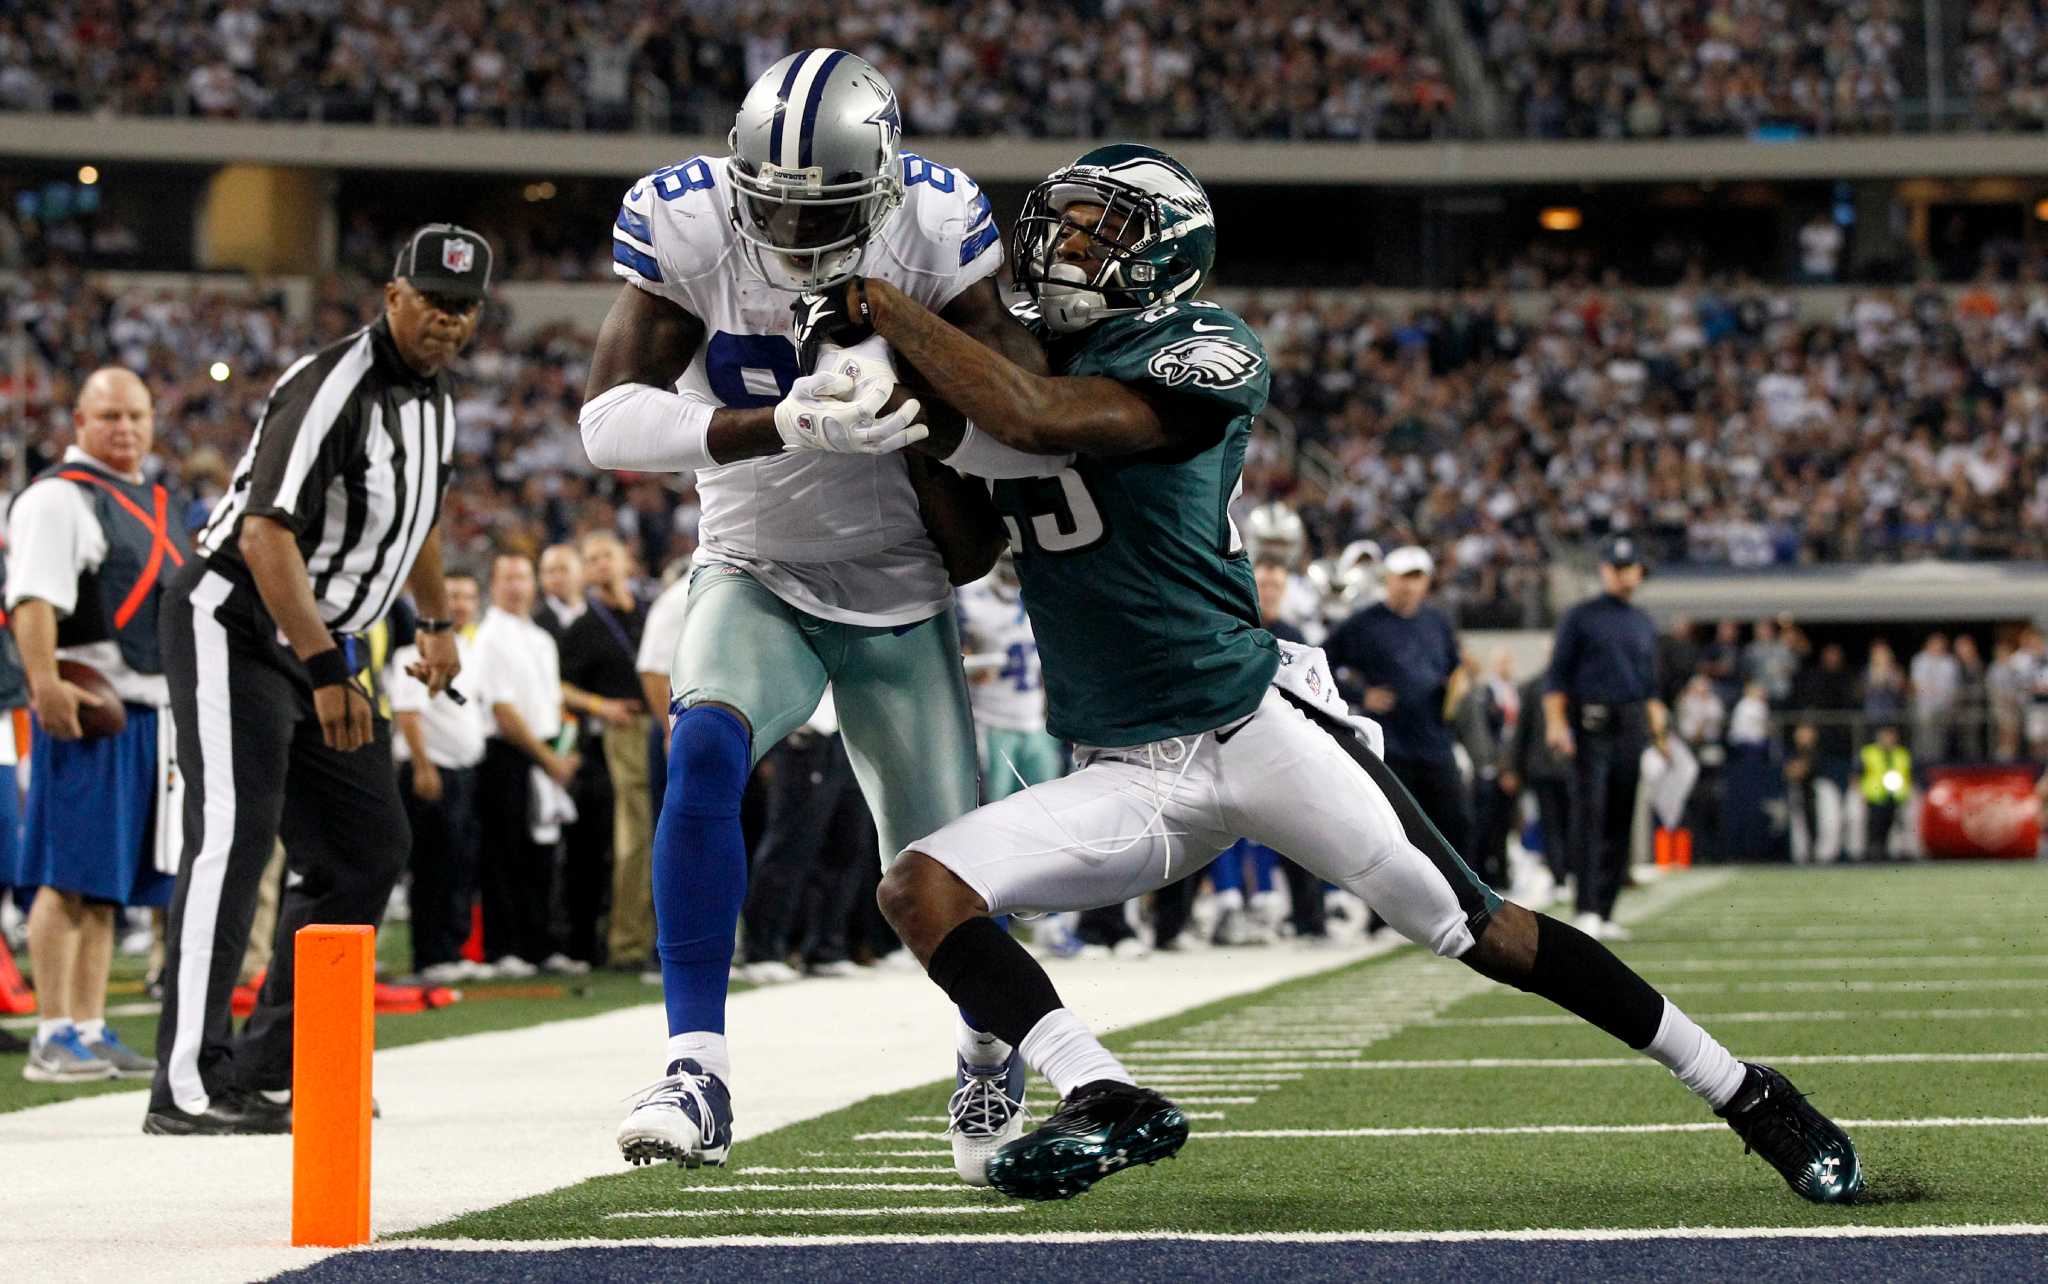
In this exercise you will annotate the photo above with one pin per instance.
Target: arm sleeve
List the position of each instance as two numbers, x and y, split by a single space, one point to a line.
644 429
980 455
53 537
307 434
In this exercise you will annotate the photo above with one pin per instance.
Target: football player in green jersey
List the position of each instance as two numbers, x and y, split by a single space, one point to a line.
1192 726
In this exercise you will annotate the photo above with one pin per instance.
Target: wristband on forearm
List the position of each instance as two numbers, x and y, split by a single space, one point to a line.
429 624
327 668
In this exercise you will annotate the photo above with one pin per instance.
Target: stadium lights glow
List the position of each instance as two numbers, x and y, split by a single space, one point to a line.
220 372
540 191
1561 218
88 175
2041 209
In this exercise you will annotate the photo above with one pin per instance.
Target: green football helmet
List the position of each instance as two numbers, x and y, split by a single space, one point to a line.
1154 242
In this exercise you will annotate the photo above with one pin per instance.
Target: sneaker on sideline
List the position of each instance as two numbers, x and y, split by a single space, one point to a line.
514 968
560 964
64 1058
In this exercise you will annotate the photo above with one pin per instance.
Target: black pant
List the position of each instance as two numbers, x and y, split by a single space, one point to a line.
444 847
1878 818
1305 892
1605 772
1554 813
586 895
1493 811
1439 790
256 769
518 874
807 868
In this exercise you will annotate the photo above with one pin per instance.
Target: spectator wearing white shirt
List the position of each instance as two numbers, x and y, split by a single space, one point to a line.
439 747
1937 682
522 688
91 545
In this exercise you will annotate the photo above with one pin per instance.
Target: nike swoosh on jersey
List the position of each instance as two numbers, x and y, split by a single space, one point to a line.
1203 327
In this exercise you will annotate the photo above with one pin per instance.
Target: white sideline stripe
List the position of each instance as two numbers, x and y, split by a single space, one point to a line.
205 873
799 1188
843 1172
1216 1101
1829 1014
1602 1063
1539 1130
1922 985
964 1210
881 1154
1578 1235
1749 946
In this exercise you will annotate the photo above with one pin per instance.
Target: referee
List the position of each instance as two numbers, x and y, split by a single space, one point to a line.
333 510
1600 708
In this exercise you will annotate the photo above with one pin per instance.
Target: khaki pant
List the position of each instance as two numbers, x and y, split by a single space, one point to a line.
626 757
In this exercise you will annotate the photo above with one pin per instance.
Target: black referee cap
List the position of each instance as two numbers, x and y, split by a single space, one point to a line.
442 258
1621 551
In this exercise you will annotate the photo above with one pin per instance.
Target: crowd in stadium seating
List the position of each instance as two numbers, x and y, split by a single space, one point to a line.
1668 68
1335 69
1712 423
2004 64
1298 69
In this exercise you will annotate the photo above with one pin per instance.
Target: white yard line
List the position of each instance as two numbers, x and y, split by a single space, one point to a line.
960 1210
1637 1062
1919 985
1711 1018
474 1122
1534 1130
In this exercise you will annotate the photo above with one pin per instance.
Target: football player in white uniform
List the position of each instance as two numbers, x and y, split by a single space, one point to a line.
1005 686
813 567
1275 532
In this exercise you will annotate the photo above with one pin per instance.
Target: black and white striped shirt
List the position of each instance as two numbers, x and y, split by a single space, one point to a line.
354 454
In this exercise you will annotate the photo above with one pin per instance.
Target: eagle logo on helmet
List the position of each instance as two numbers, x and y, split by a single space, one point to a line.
1205 361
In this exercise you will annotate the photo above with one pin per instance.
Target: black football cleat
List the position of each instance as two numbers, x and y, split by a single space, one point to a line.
227 1114
1813 1155
1104 1127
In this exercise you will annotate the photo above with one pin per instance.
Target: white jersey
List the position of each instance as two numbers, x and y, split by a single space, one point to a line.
839 536
1005 686
1302 606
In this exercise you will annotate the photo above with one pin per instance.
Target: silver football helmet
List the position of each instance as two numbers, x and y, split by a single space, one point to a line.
1275 532
814 168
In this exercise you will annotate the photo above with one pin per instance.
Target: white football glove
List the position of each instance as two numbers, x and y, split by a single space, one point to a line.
830 411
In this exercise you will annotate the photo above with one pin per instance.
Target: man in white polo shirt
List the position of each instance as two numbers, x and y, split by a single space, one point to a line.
439 746
522 688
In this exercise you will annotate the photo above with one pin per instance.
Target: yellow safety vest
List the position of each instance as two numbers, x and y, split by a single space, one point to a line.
1887 774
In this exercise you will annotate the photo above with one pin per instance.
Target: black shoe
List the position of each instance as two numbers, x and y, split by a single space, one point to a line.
227 1114
12 1042
1102 1128
1816 1158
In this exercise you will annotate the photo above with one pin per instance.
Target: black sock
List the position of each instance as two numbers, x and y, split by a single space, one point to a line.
1585 978
993 979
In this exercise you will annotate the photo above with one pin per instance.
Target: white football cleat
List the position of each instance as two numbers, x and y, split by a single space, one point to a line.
984 1116
684 1117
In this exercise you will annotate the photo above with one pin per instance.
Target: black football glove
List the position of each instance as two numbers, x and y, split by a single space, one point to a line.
838 316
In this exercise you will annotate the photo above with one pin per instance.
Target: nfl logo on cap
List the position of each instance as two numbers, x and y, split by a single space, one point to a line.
457 255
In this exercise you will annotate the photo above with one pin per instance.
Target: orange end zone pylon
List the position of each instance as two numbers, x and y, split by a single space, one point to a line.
16 998
333 1031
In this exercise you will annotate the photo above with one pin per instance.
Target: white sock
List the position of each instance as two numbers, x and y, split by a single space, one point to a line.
1696 1057
51 1027
703 1047
1068 1054
979 1048
92 1031
1229 899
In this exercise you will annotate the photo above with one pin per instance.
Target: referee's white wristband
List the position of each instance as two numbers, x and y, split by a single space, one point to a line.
647 429
980 455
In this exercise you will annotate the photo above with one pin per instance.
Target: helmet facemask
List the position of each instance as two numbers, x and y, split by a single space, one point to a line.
800 233
1123 272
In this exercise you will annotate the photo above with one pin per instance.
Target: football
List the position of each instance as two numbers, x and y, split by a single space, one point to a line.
110 717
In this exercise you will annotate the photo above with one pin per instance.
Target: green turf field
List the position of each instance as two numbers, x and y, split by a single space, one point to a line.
488 1005
1405 1093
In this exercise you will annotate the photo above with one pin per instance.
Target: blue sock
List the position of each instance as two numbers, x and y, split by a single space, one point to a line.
700 866
1265 862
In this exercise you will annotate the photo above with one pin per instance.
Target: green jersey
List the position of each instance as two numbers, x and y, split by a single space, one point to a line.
1137 584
